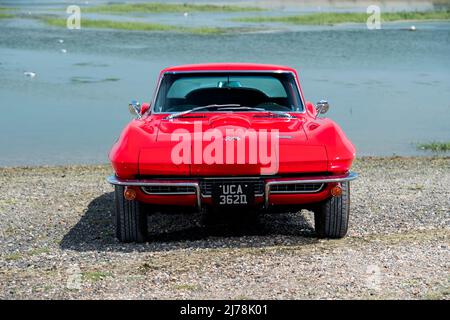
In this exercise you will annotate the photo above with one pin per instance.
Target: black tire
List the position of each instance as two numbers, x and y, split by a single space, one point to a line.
331 216
131 220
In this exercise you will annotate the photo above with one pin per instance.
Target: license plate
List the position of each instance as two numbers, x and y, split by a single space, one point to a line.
233 194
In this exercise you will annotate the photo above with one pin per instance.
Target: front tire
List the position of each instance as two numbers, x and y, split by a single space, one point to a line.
131 219
331 216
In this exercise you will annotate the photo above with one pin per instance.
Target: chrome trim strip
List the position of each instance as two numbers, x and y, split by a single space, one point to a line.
114 180
297 192
324 179
167 193
209 196
155 94
234 177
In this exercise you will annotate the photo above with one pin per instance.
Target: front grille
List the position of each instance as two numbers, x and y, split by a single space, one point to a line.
206 185
296 188
169 189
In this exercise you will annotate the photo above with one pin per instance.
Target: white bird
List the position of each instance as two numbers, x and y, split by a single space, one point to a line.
412 28
29 74
186 14
63 50
60 40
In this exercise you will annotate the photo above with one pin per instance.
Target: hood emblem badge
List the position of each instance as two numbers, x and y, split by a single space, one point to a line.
232 138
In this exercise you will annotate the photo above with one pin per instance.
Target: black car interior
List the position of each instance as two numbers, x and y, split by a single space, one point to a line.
248 97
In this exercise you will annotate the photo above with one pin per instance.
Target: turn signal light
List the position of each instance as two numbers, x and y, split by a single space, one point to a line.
129 194
336 191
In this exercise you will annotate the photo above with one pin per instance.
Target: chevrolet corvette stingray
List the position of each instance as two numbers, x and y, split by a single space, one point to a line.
231 137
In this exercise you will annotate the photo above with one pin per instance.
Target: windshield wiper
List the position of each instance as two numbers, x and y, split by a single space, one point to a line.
275 114
241 108
230 106
281 114
210 106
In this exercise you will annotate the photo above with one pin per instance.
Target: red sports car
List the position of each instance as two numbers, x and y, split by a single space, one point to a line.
231 137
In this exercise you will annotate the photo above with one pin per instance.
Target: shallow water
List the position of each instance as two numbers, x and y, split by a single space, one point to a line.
388 89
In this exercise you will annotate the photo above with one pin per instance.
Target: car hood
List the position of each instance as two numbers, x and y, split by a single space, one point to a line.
231 144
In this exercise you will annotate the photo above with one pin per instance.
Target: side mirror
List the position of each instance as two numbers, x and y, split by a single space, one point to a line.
322 107
135 108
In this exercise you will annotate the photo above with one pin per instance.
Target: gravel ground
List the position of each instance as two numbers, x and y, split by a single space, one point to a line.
57 241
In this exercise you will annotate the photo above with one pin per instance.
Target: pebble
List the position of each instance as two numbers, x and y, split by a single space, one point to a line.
274 257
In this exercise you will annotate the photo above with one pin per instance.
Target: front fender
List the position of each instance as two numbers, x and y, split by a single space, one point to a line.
124 154
340 150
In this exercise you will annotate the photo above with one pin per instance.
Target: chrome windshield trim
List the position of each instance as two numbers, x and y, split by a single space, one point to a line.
324 179
161 77
114 180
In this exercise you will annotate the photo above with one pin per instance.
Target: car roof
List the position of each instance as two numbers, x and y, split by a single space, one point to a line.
228 67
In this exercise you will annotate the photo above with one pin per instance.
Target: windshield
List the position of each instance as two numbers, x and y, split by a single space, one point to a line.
244 91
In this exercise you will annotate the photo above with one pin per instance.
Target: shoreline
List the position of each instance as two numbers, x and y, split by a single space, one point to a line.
255 19
107 165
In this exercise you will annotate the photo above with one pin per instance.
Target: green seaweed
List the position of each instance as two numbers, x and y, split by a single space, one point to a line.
331 18
122 8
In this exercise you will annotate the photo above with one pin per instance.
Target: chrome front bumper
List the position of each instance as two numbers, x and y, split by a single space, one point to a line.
306 180
114 180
